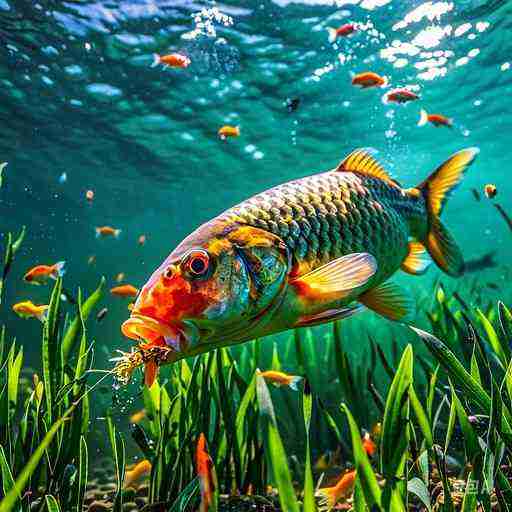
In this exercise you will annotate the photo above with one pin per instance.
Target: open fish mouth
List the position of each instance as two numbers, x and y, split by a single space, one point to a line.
155 333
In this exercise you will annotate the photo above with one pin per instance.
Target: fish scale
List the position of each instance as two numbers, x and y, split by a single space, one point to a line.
328 215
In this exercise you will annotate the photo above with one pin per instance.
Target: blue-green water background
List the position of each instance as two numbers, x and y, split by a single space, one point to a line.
78 96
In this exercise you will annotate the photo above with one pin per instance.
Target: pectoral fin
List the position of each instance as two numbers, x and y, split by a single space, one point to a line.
418 260
391 301
338 277
329 316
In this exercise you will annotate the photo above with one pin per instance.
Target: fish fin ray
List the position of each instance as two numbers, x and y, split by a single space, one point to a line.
436 189
294 383
444 250
338 277
58 269
417 261
361 161
329 316
390 301
444 180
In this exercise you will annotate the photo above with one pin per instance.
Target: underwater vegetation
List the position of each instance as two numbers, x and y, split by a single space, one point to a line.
431 434
121 120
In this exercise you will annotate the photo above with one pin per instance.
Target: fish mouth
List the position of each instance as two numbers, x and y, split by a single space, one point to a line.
156 333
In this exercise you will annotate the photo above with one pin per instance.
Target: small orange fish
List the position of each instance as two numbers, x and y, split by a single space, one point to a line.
140 470
141 240
342 31
228 131
369 79
119 277
91 259
89 195
173 60
138 416
281 379
150 372
41 273
342 490
436 119
400 96
490 191
107 231
27 309
125 290
369 446
206 473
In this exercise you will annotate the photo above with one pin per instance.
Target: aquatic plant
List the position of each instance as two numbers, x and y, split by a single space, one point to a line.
44 421
255 435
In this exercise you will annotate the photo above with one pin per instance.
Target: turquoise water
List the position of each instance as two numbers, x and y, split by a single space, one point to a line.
79 97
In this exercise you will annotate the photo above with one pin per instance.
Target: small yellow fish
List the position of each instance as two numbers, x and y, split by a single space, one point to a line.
138 416
281 379
228 131
140 470
342 490
27 309
120 277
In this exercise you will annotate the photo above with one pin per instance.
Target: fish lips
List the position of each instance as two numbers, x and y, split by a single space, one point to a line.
153 332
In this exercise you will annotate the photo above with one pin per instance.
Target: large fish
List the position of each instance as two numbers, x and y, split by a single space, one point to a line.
309 251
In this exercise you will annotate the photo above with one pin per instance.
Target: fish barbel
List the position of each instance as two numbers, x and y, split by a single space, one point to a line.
309 251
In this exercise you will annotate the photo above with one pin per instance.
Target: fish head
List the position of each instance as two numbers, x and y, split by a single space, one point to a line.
212 290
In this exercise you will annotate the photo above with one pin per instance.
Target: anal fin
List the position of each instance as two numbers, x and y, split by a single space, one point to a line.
417 260
337 278
390 301
329 316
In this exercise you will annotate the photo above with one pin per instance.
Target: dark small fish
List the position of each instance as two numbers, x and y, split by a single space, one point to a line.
292 104
492 286
476 194
504 214
101 314
480 263
490 191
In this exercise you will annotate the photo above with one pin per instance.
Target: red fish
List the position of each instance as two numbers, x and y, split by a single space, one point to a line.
107 231
125 290
206 473
369 446
173 60
41 273
400 96
342 31
341 491
436 119
369 79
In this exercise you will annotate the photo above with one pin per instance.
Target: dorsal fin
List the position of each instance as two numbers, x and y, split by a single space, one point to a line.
362 162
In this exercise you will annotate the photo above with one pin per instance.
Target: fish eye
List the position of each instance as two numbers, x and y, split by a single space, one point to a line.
197 263
168 272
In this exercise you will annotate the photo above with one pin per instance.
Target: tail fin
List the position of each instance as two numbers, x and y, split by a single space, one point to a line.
332 34
423 118
294 383
436 189
42 315
156 60
117 232
58 269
